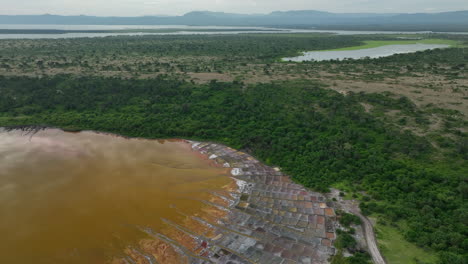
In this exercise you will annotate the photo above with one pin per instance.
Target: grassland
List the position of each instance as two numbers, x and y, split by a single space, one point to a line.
397 250
380 43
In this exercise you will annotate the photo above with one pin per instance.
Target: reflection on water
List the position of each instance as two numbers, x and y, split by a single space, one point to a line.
178 30
91 198
101 35
173 30
117 27
378 52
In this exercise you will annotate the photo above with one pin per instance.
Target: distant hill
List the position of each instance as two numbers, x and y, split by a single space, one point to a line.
308 18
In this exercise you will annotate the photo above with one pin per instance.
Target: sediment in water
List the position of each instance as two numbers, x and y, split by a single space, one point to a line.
265 219
262 217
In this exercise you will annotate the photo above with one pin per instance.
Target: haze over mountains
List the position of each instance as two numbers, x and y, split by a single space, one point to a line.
306 18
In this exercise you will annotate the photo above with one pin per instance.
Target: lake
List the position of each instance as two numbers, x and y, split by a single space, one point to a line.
85 197
378 52
175 30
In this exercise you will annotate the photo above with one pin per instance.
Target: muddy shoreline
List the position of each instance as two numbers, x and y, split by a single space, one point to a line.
264 218
271 219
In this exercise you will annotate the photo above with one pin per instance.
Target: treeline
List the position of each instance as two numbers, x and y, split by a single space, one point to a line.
318 136
257 54
451 138
450 62
265 47
259 47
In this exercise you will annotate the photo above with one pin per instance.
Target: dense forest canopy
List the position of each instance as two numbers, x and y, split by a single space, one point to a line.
318 136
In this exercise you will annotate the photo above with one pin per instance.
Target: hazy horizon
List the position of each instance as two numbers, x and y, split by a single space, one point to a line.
132 8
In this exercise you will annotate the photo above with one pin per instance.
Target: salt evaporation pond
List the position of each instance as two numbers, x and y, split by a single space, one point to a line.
378 52
87 197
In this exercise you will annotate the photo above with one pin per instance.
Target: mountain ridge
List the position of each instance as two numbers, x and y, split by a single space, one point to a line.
277 18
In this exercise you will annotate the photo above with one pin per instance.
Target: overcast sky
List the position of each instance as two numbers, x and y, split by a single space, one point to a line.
178 7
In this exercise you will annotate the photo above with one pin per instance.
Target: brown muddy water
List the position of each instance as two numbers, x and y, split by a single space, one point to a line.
86 197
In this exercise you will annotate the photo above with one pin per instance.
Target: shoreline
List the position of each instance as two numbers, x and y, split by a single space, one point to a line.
271 219
265 218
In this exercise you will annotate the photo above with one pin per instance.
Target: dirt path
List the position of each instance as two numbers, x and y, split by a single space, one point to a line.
352 206
370 238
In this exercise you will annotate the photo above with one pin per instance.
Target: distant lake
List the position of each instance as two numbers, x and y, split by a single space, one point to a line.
170 30
378 52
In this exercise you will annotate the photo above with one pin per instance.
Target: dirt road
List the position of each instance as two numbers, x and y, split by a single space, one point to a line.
370 238
352 206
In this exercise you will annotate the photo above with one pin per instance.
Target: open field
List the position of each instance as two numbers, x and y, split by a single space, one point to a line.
376 43
397 250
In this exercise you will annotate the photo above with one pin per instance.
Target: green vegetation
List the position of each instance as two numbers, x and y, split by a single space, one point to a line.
345 241
348 219
409 113
357 258
318 136
379 43
259 53
448 63
387 137
246 47
397 250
